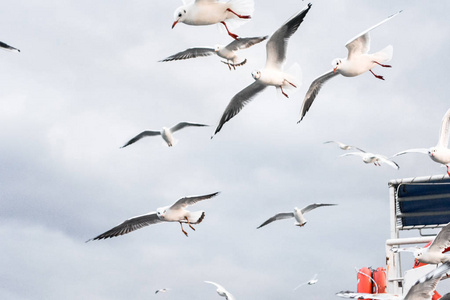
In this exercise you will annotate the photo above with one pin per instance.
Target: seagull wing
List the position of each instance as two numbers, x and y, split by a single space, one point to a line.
277 44
239 101
387 161
360 44
443 136
422 291
129 226
8 47
314 206
415 150
353 295
313 90
186 201
244 43
361 154
442 240
140 136
344 145
277 217
190 53
181 125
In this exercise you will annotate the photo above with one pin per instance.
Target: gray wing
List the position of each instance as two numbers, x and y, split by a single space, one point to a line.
442 240
443 136
387 161
190 53
8 47
424 287
445 297
181 125
360 44
277 217
186 201
129 226
314 206
239 101
313 90
353 295
140 136
415 150
277 45
244 43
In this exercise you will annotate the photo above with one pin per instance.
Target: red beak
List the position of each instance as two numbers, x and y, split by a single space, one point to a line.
174 23
334 70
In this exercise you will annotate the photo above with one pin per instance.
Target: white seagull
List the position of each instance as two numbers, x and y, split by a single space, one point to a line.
227 52
208 12
175 213
272 73
298 214
162 290
222 291
423 289
439 153
344 146
368 158
8 47
165 133
312 281
432 254
358 61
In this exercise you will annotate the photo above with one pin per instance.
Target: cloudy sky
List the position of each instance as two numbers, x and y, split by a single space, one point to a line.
88 79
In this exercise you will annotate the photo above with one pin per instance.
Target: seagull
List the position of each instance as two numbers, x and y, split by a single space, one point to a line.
208 12
439 153
272 73
312 281
344 146
432 254
368 158
162 290
175 213
166 133
8 47
227 52
423 289
297 214
358 61
222 291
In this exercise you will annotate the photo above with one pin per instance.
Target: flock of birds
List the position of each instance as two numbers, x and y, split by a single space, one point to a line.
357 62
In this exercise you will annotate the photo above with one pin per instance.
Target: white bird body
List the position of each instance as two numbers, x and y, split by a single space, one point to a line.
174 213
357 62
298 215
272 73
344 146
208 12
439 153
368 158
222 291
312 281
166 133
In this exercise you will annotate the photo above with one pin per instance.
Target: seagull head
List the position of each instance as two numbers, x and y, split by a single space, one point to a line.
161 212
256 75
418 253
217 48
335 63
179 15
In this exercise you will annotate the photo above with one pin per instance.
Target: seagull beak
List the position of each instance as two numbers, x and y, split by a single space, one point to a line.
175 23
334 70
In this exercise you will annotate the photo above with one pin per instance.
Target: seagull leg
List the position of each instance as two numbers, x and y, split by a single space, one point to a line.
286 95
290 83
189 223
384 66
238 15
185 233
234 36
377 76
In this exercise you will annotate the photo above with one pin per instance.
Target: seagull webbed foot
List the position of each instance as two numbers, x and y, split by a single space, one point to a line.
376 76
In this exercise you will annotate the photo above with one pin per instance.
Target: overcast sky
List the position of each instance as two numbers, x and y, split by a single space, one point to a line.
88 79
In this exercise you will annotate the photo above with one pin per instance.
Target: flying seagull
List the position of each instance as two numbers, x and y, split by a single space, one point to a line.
432 254
312 281
272 73
298 214
358 61
8 47
208 12
368 158
166 133
344 146
222 291
162 290
423 289
175 213
227 52
439 153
